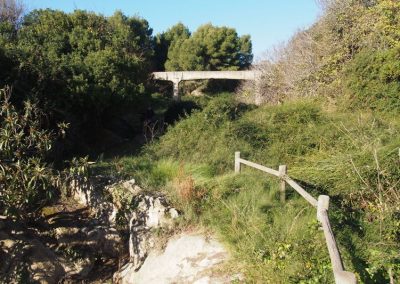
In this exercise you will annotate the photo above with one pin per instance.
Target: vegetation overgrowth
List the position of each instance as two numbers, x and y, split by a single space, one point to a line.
28 181
331 115
93 71
337 129
350 155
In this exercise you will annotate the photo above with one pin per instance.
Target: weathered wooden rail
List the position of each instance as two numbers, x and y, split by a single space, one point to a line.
322 205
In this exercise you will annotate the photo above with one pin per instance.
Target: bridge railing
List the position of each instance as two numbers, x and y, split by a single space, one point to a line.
322 205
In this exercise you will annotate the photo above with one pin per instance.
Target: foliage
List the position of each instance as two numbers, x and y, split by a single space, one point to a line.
81 68
83 53
208 48
7 64
168 42
314 61
374 79
89 70
26 179
351 156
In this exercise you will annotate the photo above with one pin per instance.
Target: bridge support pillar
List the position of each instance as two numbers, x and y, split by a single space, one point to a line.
258 89
176 90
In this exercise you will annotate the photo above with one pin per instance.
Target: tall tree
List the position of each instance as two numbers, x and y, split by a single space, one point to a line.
210 48
173 36
83 57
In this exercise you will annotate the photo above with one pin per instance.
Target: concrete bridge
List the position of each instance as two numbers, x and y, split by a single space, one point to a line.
177 76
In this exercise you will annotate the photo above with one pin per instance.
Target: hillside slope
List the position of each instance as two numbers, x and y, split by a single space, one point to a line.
331 114
351 156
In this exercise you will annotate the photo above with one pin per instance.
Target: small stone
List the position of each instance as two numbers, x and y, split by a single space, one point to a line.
173 213
129 183
7 243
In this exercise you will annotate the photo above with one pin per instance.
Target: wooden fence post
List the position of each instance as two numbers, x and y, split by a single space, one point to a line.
282 186
237 162
341 276
323 204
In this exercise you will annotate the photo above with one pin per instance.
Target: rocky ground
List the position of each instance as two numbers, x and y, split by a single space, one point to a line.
95 237
67 246
187 258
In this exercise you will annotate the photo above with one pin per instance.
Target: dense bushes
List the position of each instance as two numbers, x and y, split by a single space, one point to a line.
28 178
198 134
86 58
274 134
315 60
82 68
373 79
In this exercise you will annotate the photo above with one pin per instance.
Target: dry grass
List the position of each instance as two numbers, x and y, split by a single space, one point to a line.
186 189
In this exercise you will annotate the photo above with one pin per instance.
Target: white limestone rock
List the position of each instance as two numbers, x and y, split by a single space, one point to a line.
150 213
187 258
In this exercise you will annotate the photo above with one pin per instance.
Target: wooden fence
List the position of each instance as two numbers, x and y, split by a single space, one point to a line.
322 205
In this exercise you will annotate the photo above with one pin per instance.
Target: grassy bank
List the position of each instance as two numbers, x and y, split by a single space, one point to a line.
350 155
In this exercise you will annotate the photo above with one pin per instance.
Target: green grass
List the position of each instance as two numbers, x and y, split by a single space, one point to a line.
244 211
351 156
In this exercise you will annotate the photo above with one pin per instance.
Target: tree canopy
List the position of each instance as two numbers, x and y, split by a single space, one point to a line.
208 48
83 53
82 67
77 66
175 35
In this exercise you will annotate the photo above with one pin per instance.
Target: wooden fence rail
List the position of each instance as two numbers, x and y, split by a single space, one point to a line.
322 205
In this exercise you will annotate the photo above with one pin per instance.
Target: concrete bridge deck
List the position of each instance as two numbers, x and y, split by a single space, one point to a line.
177 76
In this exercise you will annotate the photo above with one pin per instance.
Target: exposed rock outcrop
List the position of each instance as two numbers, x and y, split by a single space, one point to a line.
75 239
22 256
187 258
81 240
151 213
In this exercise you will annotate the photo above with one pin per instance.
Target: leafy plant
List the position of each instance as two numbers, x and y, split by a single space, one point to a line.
27 180
374 79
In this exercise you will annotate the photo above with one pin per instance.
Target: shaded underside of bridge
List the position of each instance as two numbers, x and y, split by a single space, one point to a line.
177 76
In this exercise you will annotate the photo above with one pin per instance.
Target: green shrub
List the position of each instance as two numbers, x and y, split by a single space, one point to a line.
27 181
86 69
373 78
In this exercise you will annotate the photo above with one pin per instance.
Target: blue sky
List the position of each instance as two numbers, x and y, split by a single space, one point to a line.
269 22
